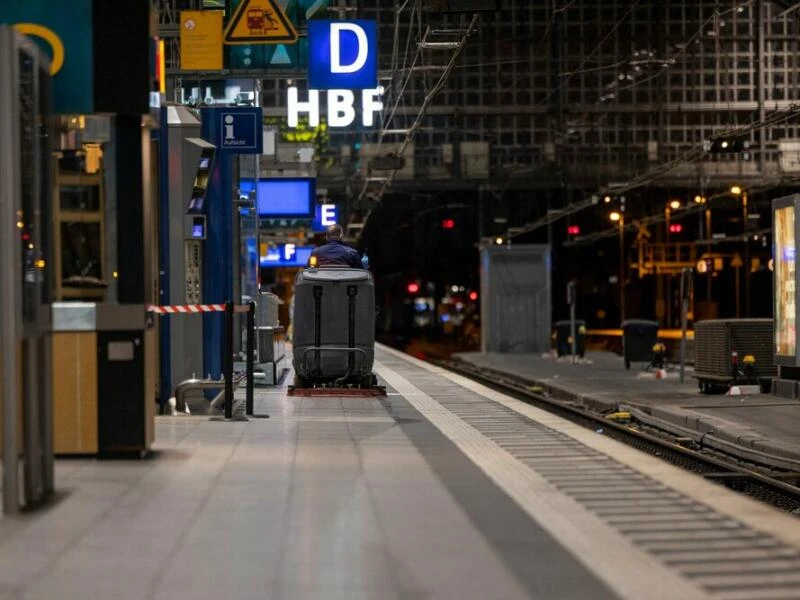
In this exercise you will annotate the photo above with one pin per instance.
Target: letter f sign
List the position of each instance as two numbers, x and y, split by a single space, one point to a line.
343 55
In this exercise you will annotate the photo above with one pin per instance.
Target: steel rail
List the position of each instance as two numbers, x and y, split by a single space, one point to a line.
719 468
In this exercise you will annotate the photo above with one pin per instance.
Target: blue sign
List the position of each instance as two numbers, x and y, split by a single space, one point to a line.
325 215
239 130
287 255
64 31
342 55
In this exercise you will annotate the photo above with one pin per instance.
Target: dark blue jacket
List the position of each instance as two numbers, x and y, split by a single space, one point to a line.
336 253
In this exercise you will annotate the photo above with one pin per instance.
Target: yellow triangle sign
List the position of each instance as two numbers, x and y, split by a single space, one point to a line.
259 22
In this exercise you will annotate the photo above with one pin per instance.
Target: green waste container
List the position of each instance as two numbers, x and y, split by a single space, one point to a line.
638 339
562 335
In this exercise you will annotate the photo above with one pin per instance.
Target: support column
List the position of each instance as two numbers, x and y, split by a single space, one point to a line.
128 171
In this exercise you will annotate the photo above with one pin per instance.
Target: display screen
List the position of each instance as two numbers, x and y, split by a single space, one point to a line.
198 231
285 255
197 202
204 162
785 274
284 197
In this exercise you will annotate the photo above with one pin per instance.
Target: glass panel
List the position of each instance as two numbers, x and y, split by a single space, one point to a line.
80 198
81 254
784 264
45 185
28 170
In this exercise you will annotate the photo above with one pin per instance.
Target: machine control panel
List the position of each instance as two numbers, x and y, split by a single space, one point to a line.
194 271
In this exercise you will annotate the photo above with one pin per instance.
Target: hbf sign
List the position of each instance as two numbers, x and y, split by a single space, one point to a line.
340 104
343 55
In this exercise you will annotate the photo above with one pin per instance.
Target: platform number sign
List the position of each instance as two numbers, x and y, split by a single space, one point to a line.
343 55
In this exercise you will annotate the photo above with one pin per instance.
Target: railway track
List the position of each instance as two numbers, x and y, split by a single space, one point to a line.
766 485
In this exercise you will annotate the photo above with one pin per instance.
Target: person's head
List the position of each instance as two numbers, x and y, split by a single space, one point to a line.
334 232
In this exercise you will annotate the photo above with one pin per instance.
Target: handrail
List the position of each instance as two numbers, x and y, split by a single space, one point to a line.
188 385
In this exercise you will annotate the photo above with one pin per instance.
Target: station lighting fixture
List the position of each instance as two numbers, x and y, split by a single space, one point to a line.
727 145
607 199
736 190
615 216
499 241
675 204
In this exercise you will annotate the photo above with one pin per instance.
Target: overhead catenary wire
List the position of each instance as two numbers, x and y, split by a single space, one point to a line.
414 127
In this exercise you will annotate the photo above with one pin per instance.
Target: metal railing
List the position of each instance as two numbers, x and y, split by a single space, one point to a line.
228 382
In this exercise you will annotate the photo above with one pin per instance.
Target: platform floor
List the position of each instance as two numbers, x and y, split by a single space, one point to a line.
763 421
443 489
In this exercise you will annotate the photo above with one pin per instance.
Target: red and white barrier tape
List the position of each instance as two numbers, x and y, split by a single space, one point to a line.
185 309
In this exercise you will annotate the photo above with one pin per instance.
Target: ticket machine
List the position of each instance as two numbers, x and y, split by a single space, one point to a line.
190 161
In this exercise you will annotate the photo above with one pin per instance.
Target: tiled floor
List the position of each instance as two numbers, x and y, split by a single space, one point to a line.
328 498
442 489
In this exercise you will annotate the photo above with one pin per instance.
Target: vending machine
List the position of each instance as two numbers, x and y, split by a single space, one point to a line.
191 162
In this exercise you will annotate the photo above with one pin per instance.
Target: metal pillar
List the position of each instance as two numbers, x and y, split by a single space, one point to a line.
622 268
25 199
10 269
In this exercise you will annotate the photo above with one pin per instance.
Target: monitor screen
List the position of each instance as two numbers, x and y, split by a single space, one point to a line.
284 197
204 163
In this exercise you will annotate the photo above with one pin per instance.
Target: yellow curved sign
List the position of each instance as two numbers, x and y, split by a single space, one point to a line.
49 36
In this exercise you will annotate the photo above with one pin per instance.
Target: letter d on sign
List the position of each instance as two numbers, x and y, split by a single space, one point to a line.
342 55
361 42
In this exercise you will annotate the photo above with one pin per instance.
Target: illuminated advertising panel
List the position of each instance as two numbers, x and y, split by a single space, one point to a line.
785 277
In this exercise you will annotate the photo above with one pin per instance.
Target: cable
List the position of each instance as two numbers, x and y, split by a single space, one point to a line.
596 48
420 116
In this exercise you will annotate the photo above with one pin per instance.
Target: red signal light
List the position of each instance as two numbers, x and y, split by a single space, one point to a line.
448 224
675 228
573 230
413 288
473 296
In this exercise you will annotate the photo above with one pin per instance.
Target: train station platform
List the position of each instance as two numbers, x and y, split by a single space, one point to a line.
758 427
442 489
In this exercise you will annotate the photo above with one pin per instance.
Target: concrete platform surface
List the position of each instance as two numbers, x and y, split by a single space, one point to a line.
444 489
756 426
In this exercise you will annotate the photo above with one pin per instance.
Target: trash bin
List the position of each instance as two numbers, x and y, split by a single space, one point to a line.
562 336
638 339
